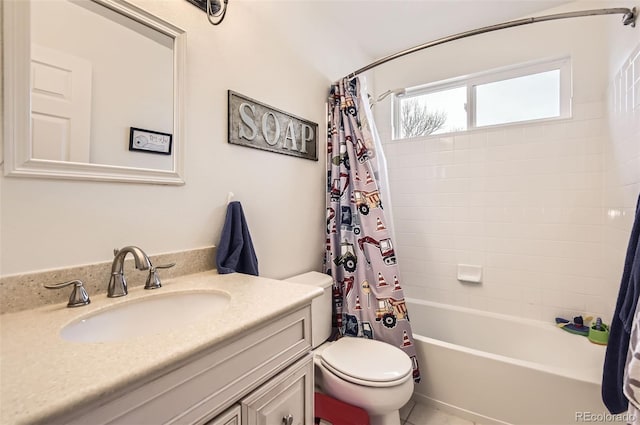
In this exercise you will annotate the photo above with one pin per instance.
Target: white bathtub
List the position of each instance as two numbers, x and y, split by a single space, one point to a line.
493 368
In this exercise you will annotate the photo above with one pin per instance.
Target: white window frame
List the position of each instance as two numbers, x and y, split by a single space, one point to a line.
562 64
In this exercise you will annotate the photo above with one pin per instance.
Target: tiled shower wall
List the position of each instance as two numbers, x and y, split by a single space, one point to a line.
621 165
545 209
523 201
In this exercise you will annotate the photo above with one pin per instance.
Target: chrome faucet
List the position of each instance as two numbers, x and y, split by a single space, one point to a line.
117 284
153 280
78 296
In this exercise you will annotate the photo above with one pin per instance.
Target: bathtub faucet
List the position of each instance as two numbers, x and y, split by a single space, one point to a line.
117 284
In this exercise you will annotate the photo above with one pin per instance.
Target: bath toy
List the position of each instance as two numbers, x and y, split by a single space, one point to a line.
598 325
576 327
599 333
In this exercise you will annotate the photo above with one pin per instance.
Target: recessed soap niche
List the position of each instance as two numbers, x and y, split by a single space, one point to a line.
470 273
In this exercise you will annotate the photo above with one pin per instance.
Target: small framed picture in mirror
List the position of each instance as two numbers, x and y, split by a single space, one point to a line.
149 141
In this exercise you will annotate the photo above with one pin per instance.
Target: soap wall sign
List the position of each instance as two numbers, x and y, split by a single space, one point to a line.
260 126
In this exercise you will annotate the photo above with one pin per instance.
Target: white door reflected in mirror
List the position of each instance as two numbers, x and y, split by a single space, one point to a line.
60 105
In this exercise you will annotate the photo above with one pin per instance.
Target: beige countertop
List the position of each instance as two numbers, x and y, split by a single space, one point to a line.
43 375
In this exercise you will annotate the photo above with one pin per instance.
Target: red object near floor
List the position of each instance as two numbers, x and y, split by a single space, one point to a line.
338 412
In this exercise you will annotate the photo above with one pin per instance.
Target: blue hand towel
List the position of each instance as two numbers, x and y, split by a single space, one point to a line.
235 251
620 330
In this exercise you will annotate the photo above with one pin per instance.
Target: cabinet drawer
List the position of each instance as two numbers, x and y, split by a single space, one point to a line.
289 394
230 417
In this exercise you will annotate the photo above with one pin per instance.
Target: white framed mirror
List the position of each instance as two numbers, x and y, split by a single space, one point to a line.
93 90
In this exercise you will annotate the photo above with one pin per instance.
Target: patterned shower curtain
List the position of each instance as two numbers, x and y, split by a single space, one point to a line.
367 297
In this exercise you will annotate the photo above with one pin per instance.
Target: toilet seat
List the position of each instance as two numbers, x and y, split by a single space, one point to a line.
382 364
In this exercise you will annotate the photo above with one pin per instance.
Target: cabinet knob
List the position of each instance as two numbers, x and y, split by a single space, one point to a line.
287 420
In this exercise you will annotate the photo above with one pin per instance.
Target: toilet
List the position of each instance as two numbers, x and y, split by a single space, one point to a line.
373 375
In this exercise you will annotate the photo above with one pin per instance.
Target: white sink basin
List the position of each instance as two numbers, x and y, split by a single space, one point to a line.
153 314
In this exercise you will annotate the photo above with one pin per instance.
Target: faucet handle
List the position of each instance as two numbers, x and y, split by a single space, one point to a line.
78 296
153 280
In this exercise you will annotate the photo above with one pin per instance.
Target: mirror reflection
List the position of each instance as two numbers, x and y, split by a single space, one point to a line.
96 73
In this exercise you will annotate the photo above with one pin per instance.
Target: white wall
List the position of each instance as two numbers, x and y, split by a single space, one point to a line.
526 202
54 223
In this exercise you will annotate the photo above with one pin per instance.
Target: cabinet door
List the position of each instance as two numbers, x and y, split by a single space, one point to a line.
230 417
285 400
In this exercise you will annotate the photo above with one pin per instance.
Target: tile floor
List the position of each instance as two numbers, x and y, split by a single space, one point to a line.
419 414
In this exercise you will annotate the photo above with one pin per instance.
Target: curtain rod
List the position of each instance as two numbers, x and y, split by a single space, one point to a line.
629 18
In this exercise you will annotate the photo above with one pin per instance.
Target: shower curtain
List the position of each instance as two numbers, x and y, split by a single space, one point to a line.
367 296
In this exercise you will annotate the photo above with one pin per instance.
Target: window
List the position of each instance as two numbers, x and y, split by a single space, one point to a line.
435 112
516 94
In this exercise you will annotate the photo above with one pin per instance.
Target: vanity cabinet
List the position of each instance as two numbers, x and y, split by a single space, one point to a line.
268 368
285 400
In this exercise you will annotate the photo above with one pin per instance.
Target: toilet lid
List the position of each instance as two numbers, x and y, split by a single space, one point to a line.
363 361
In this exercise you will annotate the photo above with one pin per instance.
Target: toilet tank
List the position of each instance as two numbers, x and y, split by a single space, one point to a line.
320 306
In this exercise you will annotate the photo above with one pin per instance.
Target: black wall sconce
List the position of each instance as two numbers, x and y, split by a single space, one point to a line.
213 8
